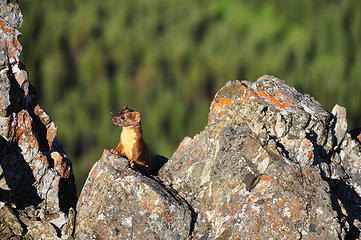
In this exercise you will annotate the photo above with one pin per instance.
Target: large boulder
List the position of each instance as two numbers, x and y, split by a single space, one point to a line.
271 164
37 191
120 203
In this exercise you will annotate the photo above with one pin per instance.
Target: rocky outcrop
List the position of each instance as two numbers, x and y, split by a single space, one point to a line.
271 164
37 191
119 203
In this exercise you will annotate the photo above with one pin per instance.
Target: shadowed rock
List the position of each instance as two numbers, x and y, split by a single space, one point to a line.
37 191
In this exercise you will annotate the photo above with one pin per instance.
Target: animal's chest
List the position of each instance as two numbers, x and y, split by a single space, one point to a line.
128 138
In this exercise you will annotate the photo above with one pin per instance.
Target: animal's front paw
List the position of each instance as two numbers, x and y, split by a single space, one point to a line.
114 151
131 162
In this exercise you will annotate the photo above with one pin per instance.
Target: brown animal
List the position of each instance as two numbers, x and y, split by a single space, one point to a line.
131 143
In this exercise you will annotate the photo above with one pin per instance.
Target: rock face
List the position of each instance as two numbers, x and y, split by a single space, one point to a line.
271 164
37 191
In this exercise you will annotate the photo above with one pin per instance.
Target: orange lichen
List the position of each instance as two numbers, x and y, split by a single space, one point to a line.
167 217
265 178
60 164
235 209
218 108
180 146
252 199
307 142
225 101
51 133
246 95
13 46
272 98
3 27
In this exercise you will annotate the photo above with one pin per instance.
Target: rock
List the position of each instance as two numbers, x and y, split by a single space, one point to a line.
37 191
11 13
119 203
349 157
340 124
265 167
271 164
9 223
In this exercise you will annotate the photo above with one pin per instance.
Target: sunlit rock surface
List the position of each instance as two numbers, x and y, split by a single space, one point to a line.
119 203
271 164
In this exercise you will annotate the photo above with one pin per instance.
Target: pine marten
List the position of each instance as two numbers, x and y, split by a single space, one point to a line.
131 143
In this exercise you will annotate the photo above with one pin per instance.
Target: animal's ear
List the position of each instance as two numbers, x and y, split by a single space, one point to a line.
125 107
135 116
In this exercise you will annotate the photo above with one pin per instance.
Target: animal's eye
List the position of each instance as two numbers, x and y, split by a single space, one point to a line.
122 117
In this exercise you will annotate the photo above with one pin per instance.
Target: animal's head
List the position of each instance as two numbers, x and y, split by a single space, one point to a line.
126 117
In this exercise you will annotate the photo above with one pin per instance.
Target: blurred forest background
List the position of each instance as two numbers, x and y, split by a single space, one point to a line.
167 59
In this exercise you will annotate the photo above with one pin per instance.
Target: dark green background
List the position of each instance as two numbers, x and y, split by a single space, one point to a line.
167 58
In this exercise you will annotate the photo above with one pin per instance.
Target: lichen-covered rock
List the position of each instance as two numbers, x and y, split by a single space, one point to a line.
119 203
271 164
37 191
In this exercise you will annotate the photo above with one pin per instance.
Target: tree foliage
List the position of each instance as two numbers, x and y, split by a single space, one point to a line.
167 58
